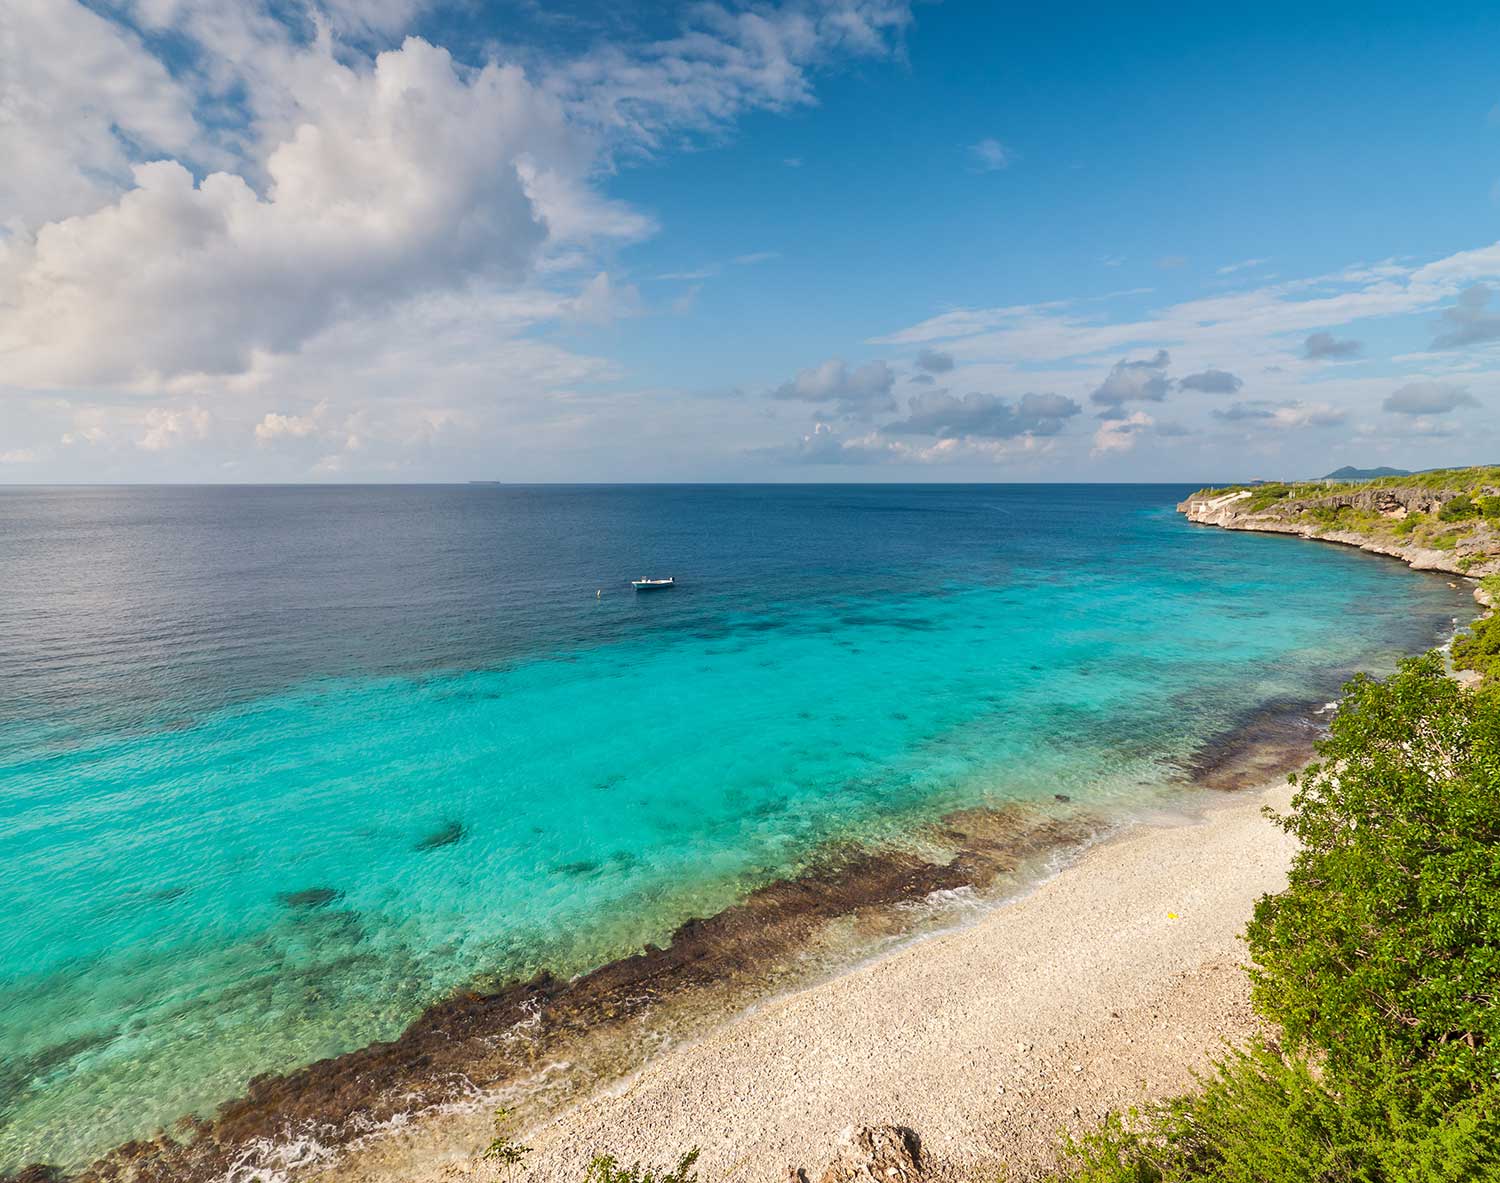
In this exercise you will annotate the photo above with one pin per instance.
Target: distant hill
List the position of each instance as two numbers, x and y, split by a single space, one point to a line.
1350 473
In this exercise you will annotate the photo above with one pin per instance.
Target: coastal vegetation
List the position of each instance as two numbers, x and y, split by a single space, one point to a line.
1451 514
1479 648
1377 970
605 1169
1439 479
504 1150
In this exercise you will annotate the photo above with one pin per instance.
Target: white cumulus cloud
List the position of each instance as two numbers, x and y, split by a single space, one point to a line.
1119 435
80 97
153 243
276 426
167 428
417 177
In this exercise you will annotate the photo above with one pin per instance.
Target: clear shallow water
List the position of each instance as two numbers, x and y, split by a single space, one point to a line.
279 767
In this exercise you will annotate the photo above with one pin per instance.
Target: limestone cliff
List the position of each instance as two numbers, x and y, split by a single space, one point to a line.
1448 522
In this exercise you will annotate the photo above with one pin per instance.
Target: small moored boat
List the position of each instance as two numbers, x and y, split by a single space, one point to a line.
652 584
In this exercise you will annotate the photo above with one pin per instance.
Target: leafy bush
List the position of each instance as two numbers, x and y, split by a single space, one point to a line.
1489 506
1264 496
1265 1117
604 1169
1410 523
1459 509
1380 964
1479 648
1328 515
504 1149
1384 952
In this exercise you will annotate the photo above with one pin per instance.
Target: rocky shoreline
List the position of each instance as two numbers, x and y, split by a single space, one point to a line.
600 1026
594 1025
1108 986
1473 556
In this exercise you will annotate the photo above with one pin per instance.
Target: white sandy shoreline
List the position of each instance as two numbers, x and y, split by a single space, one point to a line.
1109 984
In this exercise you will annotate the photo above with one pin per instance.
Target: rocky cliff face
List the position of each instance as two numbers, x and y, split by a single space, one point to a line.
1475 551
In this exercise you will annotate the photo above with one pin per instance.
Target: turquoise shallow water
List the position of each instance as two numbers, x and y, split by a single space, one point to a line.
280 767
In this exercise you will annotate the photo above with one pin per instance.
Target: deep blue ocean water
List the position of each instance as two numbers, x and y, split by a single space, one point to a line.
281 766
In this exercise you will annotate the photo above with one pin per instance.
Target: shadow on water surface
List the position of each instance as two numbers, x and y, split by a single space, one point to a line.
446 835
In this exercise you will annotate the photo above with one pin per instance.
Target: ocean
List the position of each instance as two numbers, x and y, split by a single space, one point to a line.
282 766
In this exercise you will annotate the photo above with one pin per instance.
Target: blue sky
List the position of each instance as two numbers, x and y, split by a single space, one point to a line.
822 240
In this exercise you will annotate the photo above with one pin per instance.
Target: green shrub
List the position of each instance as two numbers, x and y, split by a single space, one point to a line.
604 1169
1410 522
504 1149
1479 648
1459 509
1264 496
1328 515
1379 964
1489 506
1264 1117
1384 952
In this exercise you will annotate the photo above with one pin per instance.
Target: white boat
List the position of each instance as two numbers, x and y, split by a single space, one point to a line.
652 584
